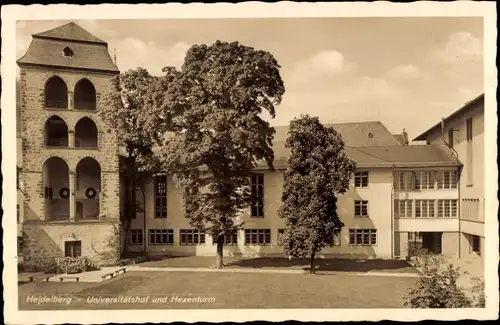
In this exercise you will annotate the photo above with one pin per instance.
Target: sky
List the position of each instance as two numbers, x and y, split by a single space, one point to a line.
405 72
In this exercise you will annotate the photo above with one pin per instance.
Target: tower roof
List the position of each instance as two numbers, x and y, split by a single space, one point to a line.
70 32
69 46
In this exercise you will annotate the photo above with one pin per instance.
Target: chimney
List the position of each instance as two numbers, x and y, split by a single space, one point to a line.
405 138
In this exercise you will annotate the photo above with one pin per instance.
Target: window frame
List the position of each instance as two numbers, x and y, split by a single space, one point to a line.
361 179
258 234
197 237
407 209
161 233
362 205
257 190
160 187
138 233
370 233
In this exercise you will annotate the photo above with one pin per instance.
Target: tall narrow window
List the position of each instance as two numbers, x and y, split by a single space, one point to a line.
161 196
469 160
257 183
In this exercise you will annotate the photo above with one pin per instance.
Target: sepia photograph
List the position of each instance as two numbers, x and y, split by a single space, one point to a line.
200 160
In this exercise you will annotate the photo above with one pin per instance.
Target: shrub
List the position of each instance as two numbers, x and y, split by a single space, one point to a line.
477 290
47 265
437 287
72 264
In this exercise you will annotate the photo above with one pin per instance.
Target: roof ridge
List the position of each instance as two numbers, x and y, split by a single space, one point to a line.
72 27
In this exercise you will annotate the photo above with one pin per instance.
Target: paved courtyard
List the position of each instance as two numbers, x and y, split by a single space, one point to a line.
175 290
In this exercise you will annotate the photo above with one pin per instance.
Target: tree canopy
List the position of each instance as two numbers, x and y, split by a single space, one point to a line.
214 111
128 108
318 170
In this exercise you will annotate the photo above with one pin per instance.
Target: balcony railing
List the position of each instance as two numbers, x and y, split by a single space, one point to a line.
56 103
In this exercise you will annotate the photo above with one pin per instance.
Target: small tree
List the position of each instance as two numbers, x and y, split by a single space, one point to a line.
437 287
214 106
318 170
128 109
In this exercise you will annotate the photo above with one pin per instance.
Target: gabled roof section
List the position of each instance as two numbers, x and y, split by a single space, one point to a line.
356 134
468 106
70 32
88 53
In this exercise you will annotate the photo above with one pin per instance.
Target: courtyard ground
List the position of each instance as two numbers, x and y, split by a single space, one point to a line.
167 290
336 265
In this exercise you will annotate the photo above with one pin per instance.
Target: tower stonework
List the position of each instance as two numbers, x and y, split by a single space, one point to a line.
70 157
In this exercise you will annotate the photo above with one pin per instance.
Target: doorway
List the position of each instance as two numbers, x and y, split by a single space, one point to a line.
431 241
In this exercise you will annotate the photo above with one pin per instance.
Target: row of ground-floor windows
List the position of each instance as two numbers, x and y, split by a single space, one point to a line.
252 237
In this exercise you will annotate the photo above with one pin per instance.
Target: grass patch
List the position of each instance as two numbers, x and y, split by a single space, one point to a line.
226 290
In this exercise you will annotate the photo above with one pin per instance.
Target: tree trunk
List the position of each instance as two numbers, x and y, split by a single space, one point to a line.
130 200
313 267
219 263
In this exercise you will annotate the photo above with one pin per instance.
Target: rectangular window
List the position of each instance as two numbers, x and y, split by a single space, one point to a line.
192 237
361 179
424 209
476 244
447 208
424 180
18 213
230 239
161 236
257 236
73 248
361 208
257 182
403 208
362 236
404 180
160 196
136 237
446 179
415 237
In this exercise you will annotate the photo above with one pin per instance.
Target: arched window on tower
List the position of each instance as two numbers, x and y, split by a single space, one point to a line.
85 95
56 93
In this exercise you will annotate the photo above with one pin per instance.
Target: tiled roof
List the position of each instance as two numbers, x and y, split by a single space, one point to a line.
87 56
393 154
469 105
357 134
385 156
69 32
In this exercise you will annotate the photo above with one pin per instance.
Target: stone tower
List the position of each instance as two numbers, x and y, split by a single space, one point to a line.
70 158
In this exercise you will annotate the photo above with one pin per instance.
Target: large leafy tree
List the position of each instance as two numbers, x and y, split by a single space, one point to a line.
214 106
128 107
318 170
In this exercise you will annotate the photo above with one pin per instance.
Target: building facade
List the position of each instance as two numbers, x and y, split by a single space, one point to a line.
464 132
71 196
